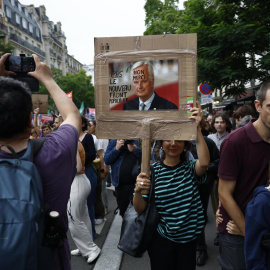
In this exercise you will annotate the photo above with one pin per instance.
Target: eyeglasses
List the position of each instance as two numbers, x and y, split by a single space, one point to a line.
219 122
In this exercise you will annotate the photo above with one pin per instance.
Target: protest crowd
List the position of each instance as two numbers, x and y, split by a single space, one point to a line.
228 164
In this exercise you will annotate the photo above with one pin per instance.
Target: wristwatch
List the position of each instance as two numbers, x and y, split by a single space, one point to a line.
102 170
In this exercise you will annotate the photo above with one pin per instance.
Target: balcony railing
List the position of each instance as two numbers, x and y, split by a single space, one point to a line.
44 18
26 44
52 52
3 28
56 41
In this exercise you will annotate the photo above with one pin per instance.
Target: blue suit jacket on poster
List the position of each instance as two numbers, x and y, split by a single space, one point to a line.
158 103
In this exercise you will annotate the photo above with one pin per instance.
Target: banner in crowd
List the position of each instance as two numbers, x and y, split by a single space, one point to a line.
70 95
92 111
82 108
45 117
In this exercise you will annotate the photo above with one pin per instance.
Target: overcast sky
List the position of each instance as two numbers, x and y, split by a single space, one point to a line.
82 20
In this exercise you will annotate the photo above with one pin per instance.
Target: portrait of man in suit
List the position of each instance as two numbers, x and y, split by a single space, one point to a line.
143 83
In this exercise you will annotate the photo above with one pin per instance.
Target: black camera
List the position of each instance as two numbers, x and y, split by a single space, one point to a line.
125 146
21 65
129 142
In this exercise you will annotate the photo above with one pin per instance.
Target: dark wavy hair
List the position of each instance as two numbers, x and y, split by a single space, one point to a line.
183 156
15 107
85 122
94 122
225 117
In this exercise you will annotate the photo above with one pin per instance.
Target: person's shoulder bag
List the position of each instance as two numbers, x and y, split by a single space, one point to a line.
137 231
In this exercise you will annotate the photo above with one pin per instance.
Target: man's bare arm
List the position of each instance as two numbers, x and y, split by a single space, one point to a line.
36 112
66 107
225 192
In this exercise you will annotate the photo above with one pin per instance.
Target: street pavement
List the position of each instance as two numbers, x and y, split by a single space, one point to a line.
112 258
78 262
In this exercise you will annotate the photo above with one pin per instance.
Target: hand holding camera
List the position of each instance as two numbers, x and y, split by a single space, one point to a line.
42 72
27 69
126 144
3 71
21 66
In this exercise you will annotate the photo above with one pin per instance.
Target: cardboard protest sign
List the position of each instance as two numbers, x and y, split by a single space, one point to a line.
40 101
145 86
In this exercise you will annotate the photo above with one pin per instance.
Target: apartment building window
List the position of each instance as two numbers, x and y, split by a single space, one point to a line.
30 28
26 12
11 30
24 23
12 3
18 19
19 7
8 10
37 32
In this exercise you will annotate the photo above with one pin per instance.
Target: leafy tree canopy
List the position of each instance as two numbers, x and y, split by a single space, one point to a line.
233 37
79 83
5 48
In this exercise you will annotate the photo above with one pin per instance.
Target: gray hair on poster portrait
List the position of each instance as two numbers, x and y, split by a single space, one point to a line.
144 63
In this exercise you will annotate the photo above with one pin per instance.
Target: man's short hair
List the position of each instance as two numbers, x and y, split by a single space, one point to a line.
15 107
144 63
261 93
60 119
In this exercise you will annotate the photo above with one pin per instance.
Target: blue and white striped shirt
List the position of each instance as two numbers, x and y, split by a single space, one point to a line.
178 201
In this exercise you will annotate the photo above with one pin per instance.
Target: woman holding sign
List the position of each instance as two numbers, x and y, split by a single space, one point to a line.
177 201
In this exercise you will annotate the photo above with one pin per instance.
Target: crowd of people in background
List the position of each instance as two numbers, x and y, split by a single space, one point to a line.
120 160
228 161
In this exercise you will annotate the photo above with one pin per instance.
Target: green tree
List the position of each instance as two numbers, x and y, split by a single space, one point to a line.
79 83
233 39
161 18
5 48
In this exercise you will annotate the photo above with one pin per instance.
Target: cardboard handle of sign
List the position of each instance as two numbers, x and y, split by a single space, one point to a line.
146 154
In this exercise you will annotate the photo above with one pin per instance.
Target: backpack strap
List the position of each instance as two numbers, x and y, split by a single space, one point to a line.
14 154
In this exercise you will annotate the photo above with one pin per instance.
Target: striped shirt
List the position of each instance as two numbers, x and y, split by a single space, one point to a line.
178 202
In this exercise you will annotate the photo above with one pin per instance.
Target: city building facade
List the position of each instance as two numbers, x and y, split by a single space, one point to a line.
29 30
90 70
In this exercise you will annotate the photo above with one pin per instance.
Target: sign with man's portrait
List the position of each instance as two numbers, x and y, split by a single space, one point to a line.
145 86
